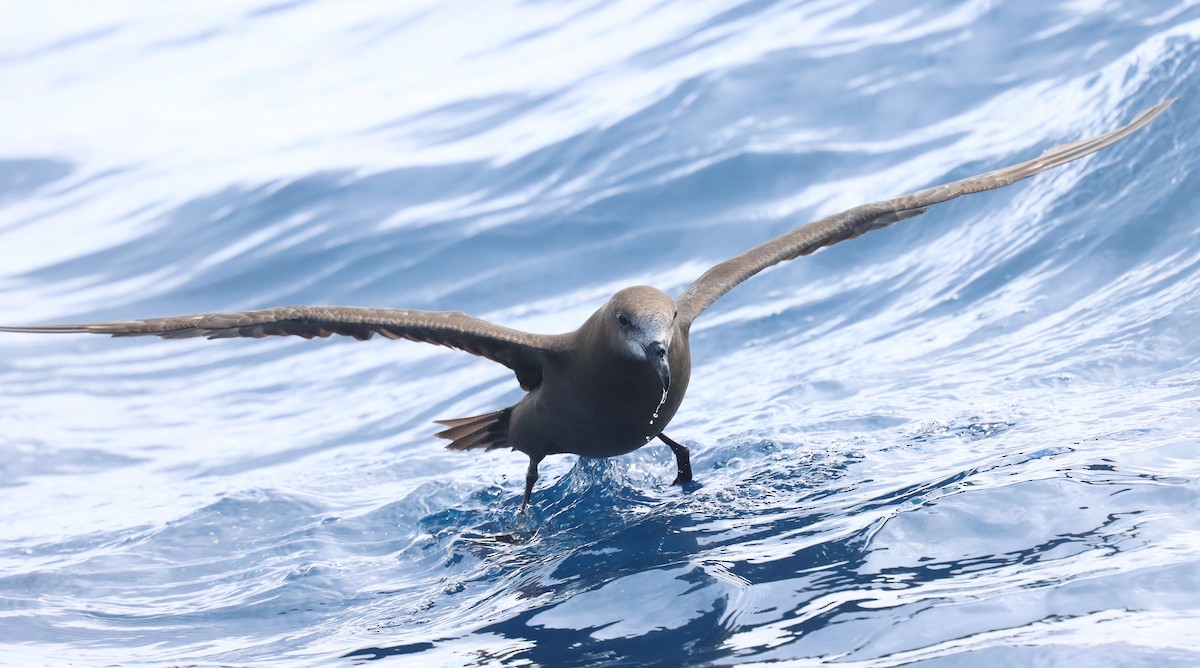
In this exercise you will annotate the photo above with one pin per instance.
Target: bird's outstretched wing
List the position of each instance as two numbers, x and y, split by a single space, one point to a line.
522 352
861 219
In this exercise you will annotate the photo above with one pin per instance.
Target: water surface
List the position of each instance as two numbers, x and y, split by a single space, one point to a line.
971 439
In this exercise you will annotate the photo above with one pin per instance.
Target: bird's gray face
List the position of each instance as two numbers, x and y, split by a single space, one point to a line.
647 337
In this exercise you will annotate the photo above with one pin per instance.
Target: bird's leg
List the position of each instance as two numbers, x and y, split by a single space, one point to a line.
531 477
682 459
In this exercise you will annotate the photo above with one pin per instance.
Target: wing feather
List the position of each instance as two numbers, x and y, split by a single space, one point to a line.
522 352
862 219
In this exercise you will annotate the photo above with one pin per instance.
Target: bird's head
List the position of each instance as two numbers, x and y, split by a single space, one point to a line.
642 320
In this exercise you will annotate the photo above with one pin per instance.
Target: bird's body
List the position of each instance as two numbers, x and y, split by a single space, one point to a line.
560 415
612 385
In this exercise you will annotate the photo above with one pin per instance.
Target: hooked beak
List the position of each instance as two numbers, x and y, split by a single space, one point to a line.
656 354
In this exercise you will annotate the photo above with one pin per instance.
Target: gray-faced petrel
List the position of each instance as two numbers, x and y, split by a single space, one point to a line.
612 385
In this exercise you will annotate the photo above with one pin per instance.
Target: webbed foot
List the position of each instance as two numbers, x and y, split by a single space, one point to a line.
683 460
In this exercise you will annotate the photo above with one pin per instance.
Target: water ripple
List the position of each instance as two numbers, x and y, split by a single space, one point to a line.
970 439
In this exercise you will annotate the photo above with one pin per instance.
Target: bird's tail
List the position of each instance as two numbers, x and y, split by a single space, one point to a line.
488 431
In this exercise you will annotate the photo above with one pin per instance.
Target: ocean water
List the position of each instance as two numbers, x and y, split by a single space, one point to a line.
972 439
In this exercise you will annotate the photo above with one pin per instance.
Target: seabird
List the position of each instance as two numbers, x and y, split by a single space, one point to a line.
611 386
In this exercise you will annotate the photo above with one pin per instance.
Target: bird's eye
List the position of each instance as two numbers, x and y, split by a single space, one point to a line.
622 319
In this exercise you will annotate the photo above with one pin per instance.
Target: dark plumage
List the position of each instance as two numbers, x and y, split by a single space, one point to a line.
612 385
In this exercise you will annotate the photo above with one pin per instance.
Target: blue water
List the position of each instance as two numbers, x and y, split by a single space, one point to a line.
971 439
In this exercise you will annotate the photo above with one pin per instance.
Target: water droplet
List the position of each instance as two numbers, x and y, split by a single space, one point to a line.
656 409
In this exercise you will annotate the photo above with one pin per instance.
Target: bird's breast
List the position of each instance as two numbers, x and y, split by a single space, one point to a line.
597 412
